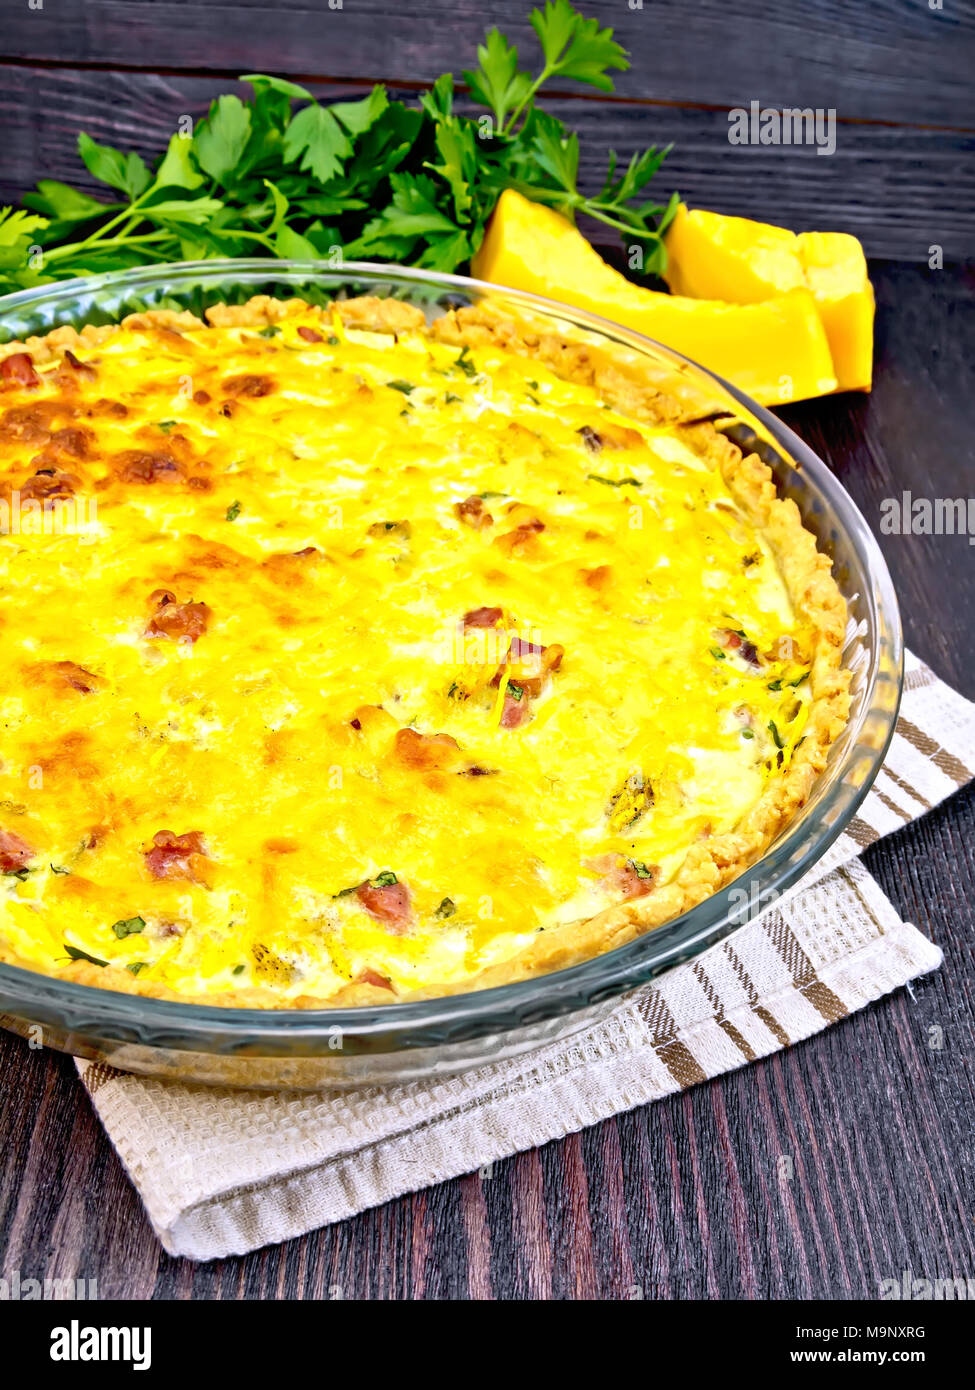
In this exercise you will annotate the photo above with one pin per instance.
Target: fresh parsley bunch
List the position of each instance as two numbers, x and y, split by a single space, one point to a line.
374 179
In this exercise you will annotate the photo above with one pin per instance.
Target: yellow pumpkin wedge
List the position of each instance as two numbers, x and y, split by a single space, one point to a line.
775 350
836 272
710 256
713 256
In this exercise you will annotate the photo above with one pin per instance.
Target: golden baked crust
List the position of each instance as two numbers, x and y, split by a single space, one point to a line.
183 469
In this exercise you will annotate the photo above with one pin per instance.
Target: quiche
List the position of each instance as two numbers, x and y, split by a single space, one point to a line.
354 658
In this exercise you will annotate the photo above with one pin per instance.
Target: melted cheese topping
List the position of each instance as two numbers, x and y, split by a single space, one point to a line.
289 529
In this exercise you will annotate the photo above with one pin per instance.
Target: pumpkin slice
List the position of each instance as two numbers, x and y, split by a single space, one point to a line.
836 272
775 350
711 256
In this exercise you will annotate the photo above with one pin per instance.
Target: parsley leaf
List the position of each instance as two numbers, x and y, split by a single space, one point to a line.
315 138
130 927
221 139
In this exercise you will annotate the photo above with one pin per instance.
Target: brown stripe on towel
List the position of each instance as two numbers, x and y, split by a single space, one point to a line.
808 983
675 1055
757 1008
950 765
892 805
98 1075
906 787
725 1024
861 833
917 680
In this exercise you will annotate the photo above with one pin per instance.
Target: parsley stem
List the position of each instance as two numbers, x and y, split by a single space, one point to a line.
77 248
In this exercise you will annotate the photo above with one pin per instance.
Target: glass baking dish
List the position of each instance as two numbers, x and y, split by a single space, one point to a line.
399 1042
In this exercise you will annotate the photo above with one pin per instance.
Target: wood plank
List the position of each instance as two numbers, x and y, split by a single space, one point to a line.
901 190
892 60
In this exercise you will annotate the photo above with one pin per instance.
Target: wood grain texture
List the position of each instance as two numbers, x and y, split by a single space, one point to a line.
901 190
687 1198
888 60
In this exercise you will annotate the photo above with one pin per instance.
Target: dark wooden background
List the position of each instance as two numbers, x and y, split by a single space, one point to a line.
681 1199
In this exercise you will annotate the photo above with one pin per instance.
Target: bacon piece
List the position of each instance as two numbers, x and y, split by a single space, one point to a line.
75 441
177 856
30 423
528 664
15 853
734 642
625 876
82 370
46 484
176 620
633 884
18 370
520 537
143 466
368 976
425 751
113 410
309 334
71 674
483 617
248 384
388 903
515 712
472 512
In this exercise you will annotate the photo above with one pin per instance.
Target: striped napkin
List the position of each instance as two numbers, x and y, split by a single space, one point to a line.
222 1172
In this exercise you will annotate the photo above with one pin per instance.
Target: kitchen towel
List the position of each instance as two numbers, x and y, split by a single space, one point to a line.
222 1172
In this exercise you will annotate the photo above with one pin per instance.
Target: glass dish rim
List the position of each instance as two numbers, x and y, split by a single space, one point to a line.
500 1006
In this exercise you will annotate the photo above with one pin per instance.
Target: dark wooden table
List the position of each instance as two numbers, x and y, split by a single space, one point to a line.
681 1199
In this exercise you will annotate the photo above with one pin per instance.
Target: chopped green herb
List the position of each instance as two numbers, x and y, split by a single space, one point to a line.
233 511
76 953
332 340
717 653
614 482
799 681
450 398
130 927
515 691
447 908
776 736
775 685
384 880
533 384
639 869
167 425
135 966
238 969
16 873
271 331
57 869
405 386
463 361
747 733
486 496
